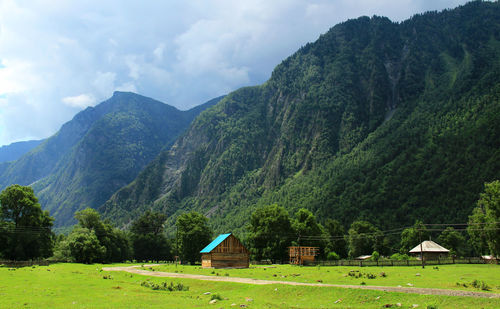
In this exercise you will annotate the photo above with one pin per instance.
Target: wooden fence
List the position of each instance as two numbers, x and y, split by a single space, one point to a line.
8 263
384 262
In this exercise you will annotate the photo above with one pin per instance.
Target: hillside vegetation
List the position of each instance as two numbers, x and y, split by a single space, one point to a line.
16 150
376 120
99 151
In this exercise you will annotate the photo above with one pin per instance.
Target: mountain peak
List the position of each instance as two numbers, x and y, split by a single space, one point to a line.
124 93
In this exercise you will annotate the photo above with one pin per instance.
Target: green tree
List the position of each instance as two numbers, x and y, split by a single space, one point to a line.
452 240
270 233
309 232
115 241
84 246
6 233
363 238
27 228
335 235
90 219
410 237
478 236
148 239
193 234
484 222
61 249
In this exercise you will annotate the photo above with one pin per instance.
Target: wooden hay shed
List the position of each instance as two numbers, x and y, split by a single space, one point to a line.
430 251
225 251
300 255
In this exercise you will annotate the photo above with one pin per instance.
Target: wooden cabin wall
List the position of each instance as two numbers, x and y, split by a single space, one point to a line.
206 260
223 260
230 245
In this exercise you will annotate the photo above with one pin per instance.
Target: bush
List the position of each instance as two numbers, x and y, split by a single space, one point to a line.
216 296
400 257
480 285
165 286
332 256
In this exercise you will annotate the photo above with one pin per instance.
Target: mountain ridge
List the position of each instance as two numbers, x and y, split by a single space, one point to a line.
100 150
315 135
15 150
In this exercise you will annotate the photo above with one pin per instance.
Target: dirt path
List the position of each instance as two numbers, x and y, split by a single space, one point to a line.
424 291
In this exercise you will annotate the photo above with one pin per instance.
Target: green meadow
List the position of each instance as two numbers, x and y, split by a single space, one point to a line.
442 277
87 286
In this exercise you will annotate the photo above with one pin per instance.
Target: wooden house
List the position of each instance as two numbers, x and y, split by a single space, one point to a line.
226 251
430 251
300 255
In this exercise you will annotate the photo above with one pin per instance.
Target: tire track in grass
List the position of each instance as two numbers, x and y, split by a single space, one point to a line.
423 291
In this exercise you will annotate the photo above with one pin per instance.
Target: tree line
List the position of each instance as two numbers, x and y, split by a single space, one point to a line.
25 233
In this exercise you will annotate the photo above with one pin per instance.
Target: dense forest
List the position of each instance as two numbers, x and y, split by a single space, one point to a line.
378 121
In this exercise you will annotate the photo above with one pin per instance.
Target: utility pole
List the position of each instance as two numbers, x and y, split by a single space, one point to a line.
176 245
421 250
299 262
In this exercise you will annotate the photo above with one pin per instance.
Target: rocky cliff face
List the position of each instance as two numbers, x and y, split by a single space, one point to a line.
324 133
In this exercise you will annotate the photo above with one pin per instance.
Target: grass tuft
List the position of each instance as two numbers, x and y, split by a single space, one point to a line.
165 286
216 296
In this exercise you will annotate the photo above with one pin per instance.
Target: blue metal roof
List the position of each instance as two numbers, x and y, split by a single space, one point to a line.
215 243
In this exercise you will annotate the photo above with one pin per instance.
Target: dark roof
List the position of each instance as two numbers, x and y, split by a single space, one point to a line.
215 243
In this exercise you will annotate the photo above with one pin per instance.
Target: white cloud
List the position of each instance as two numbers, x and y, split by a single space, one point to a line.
104 83
80 101
133 66
127 87
158 52
179 52
11 76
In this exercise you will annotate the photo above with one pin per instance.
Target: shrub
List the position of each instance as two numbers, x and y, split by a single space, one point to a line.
480 285
216 296
165 286
400 257
370 276
333 256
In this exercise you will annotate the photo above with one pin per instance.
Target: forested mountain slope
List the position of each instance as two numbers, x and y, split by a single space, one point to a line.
16 150
99 151
389 122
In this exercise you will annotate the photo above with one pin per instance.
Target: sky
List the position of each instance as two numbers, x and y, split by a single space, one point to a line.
58 57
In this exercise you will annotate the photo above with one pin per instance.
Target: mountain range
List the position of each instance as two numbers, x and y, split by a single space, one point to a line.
376 120
16 150
99 151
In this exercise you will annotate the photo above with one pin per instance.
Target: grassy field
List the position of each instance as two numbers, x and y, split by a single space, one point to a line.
86 286
442 277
